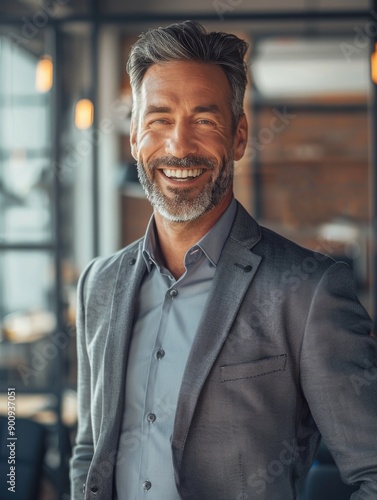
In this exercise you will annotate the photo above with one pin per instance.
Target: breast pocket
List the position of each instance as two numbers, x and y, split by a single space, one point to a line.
253 368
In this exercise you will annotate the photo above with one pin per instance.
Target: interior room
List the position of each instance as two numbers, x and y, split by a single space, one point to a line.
69 189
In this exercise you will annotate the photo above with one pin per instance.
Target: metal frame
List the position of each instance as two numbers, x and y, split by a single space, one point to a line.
57 131
97 16
95 166
373 142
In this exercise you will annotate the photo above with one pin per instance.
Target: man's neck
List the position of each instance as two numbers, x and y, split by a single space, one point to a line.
175 238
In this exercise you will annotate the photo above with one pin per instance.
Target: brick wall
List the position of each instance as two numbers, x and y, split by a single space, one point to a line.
316 169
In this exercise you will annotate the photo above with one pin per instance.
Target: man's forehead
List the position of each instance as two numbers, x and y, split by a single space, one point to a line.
190 70
172 81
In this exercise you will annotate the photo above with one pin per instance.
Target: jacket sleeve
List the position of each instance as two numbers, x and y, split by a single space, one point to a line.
339 378
83 449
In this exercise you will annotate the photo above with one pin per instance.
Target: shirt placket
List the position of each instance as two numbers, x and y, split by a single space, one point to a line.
153 411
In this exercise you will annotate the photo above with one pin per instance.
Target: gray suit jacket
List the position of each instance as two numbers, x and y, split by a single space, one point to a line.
282 354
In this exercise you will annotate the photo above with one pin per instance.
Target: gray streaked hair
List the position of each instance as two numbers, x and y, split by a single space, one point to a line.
189 41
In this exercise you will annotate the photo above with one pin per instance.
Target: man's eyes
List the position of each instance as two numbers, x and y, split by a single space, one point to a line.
204 121
165 121
160 120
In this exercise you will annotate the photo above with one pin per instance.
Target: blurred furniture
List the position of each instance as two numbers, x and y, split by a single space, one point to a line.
323 481
30 452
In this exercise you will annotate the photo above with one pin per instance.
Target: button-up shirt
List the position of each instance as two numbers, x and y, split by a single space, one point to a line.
166 320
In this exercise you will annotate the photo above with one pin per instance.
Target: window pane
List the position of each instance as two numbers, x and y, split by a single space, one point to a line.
25 201
27 316
25 149
24 127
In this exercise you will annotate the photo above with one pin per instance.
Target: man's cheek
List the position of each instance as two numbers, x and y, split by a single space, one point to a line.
150 146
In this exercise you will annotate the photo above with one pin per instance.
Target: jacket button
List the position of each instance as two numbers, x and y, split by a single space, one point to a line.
132 262
247 269
151 418
94 489
160 354
147 485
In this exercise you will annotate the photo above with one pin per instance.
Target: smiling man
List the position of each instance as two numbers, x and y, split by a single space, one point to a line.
213 352
183 140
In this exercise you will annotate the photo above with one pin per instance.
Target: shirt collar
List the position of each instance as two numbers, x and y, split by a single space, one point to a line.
211 244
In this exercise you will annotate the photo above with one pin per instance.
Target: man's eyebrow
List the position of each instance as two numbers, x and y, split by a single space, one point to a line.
211 108
157 109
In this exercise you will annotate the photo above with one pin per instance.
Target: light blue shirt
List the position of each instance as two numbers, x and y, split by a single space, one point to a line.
166 320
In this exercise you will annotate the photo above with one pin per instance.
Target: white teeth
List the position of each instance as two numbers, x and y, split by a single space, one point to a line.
183 174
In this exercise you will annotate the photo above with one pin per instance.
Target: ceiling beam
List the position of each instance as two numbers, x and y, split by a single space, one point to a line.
273 16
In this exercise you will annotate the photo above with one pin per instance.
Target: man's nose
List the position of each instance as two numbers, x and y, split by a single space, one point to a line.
181 141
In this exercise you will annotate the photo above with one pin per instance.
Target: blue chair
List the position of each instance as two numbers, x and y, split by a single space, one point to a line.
323 481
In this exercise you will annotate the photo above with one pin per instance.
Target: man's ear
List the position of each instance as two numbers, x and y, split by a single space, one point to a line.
133 139
240 138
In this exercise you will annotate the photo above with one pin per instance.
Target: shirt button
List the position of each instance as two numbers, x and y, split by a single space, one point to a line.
147 485
173 292
151 418
160 354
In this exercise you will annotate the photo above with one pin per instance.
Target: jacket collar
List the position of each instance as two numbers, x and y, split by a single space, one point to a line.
234 274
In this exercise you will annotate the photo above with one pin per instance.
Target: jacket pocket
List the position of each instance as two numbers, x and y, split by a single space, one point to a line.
253 368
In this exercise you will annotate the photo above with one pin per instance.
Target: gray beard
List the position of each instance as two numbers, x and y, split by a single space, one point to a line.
181 207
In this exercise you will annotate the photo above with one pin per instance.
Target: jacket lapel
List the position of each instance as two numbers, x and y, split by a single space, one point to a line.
236 268
131 270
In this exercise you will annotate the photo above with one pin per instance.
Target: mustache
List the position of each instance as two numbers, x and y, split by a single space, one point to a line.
186 162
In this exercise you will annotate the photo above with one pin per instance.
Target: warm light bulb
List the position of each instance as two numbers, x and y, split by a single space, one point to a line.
44 74
84 114
373 58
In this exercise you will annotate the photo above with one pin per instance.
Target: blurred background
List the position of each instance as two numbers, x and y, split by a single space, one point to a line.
69 190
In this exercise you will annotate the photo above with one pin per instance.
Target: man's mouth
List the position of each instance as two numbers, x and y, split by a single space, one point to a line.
183 174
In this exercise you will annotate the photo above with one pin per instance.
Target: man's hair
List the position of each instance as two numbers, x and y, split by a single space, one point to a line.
189 41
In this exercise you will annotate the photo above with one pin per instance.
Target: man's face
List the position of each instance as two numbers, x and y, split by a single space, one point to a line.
182 138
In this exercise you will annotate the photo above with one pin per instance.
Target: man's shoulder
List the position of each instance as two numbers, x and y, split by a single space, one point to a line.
278 243
108 261
106 268
278 249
